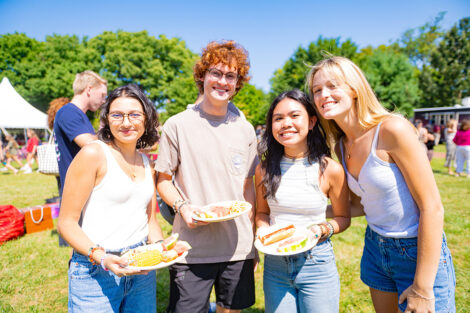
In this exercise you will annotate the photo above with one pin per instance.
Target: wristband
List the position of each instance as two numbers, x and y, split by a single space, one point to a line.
331 230
102 262
176 205
91 251
180 204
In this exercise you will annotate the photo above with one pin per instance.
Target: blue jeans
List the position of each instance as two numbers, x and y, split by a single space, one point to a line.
306 282
389 264
92 289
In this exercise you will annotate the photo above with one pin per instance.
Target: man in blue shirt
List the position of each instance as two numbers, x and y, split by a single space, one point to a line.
72 128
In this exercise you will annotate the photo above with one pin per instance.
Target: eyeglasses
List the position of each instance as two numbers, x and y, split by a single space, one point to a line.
134 117
215 74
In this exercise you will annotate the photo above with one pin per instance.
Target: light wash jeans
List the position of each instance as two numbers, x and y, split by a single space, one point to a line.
462 155
92 289
306 282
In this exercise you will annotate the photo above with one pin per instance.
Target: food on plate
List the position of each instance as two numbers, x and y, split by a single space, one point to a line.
181 247
293 244
170 242
277 235
144 258
223 210
168 256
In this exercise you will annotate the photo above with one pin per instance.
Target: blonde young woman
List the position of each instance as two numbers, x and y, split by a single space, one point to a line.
405 262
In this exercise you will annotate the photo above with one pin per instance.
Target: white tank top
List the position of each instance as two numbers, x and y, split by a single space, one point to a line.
388 204
299 199
115 215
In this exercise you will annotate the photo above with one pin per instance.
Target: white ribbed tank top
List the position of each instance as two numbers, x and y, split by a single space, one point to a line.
299 199
115 215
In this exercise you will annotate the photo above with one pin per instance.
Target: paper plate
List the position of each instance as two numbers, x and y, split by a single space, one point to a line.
157 266
272 248
246 207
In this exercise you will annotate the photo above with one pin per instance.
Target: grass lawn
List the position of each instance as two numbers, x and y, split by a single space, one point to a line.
33 271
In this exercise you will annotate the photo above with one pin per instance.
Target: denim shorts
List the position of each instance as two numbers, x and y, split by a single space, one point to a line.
305 282
92 289
389 264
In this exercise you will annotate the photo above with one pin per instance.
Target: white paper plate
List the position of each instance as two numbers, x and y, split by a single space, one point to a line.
159 265
223 218
272 248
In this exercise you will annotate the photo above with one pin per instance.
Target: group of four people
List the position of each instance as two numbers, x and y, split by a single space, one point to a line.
209 153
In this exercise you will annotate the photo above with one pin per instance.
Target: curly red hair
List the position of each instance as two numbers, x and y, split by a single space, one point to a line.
54 106
228 53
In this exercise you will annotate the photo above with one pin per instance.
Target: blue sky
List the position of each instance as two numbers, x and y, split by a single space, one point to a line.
270 30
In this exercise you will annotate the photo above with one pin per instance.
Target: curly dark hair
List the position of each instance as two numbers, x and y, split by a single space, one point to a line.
227 53
150 136
271 151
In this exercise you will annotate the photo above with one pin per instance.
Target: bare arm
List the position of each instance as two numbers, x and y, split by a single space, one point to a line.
419 178
333 184
84 139
155 232
262 208
170 194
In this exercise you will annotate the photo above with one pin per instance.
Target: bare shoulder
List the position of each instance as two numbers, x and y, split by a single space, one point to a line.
92 152
395 129
333 169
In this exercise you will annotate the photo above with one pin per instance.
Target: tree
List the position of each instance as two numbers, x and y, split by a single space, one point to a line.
392 77
253 102
420 43
450 65
292 74
154 64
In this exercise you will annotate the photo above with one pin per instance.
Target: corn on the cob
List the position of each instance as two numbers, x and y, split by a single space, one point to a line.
145 258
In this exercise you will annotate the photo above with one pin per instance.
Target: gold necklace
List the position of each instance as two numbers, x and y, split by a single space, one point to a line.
133 168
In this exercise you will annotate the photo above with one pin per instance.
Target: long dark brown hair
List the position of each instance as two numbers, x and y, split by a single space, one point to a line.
271 151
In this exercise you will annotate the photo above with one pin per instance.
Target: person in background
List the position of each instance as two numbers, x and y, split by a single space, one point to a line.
31 148
430 142
292 149
449 134
436 130
406 262
110 188
211 152
462 151
11 153
54 106
72 128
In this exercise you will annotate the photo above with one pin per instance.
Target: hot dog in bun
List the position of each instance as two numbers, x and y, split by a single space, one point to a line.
277 235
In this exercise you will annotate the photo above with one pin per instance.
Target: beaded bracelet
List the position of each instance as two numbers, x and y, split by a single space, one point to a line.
331 230
177 205
91 251
181 204
102 262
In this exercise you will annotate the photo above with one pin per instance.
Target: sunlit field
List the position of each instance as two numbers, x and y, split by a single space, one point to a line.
33 271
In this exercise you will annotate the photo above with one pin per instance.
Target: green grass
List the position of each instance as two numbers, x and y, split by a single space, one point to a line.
33 271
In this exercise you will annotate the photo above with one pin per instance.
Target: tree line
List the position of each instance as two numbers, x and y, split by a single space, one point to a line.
426 67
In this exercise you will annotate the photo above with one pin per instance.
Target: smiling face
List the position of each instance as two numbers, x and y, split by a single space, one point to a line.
290 126
219 90
126 130
333 99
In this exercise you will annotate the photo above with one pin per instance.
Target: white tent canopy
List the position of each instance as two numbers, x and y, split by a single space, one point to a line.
16 112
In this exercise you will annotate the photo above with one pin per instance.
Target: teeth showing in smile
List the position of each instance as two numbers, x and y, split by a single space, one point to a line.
287 134
327 104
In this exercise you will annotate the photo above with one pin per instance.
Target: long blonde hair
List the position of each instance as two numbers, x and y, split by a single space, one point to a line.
369 111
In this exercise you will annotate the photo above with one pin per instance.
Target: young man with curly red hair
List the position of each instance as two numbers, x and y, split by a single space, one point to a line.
211 151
